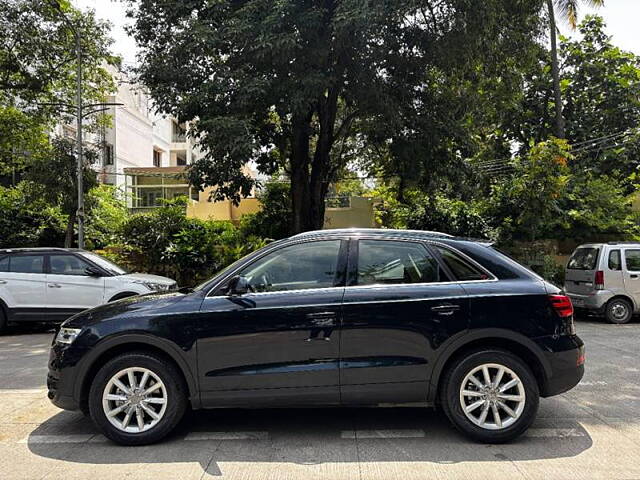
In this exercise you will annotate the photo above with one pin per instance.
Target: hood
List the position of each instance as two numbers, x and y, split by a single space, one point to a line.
138 305
147 278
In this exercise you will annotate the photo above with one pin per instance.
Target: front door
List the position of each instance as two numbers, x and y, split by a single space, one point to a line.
70 289
399 307
280 342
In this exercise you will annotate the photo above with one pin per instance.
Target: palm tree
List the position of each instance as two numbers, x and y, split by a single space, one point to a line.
568 10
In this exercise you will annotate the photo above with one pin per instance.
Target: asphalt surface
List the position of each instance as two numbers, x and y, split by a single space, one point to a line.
591 432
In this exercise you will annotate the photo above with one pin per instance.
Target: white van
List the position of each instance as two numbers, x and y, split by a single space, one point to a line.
604 278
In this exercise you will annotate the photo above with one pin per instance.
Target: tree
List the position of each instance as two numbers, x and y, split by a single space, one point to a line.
283 83
53 178
568 10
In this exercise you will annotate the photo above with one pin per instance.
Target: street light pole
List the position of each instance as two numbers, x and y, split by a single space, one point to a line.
79 149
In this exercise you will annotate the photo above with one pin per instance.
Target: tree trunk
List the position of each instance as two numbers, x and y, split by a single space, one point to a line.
68 236
300 200
558 128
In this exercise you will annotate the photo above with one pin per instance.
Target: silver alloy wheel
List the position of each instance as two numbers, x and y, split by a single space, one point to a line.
134 392
619 310
492 396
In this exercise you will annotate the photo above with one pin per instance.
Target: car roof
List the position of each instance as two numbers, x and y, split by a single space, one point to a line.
385 232
38 250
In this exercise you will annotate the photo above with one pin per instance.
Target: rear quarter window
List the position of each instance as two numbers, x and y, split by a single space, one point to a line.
584 259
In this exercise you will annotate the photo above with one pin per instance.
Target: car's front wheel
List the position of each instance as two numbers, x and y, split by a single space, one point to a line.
137 398
490 395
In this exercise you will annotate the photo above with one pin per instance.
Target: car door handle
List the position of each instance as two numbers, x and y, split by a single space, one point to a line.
322 319
633 276
445 309
3 282
54 285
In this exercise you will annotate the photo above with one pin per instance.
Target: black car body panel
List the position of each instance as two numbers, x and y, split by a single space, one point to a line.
339 344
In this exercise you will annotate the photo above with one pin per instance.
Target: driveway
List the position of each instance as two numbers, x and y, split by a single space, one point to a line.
590 432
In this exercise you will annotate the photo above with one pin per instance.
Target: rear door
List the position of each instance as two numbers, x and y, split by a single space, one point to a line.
631 272
581 270
22 286
69 288
399 307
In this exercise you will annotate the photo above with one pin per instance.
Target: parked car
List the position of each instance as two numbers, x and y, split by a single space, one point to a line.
52 284
338 317
604 279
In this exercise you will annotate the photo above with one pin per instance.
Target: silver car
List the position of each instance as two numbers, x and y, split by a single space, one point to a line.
604 278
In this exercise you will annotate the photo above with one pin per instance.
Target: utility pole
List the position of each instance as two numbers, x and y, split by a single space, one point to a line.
79 150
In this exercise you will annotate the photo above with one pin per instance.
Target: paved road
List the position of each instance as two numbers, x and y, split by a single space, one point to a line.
591 432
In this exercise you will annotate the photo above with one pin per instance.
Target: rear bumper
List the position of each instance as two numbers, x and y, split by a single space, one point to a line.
595 302
566 365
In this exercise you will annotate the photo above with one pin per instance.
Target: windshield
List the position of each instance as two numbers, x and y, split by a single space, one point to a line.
584 259
108 265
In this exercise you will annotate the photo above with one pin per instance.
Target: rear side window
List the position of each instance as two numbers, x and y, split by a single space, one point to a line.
27 264
461 269
4 264
632 260
615 263
584 259
391 262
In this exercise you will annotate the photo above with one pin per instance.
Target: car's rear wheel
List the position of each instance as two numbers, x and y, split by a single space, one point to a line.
490 395
618 311
137 398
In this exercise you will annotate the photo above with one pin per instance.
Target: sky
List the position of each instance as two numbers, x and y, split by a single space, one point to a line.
621 17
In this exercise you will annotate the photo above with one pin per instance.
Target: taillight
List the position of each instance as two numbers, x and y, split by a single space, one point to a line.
599 280
562 305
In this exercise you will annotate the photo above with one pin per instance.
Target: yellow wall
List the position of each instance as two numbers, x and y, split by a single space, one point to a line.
359 214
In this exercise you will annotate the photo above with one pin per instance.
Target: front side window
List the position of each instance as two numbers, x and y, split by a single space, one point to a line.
461 269
614 260
296 267
584 259
67 265
385 262
26 264
4 264
632 260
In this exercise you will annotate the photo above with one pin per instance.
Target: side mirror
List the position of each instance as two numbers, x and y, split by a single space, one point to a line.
93 272
238 285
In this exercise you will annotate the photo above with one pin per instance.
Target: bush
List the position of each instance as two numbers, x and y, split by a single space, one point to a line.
106 216
274 219
166 242
451 216
28 221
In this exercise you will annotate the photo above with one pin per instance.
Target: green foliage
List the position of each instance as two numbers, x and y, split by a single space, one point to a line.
274 219
22 137
106 216
527 204
190 250
442 214
27 220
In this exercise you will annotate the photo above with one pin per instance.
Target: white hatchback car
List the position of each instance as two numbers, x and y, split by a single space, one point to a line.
52 284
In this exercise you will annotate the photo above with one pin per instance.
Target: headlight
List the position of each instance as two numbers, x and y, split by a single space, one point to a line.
67 335
157 287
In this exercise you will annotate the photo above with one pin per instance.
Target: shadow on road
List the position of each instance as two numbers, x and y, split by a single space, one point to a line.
315 436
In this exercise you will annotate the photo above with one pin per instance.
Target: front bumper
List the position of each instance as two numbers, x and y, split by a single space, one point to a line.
62 376
566 362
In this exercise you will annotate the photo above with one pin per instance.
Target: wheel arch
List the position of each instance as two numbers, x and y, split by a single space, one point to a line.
508 340
110 348
622 296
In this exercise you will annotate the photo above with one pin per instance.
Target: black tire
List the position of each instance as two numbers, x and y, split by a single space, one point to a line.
618 311
3 321
451 403
176 397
